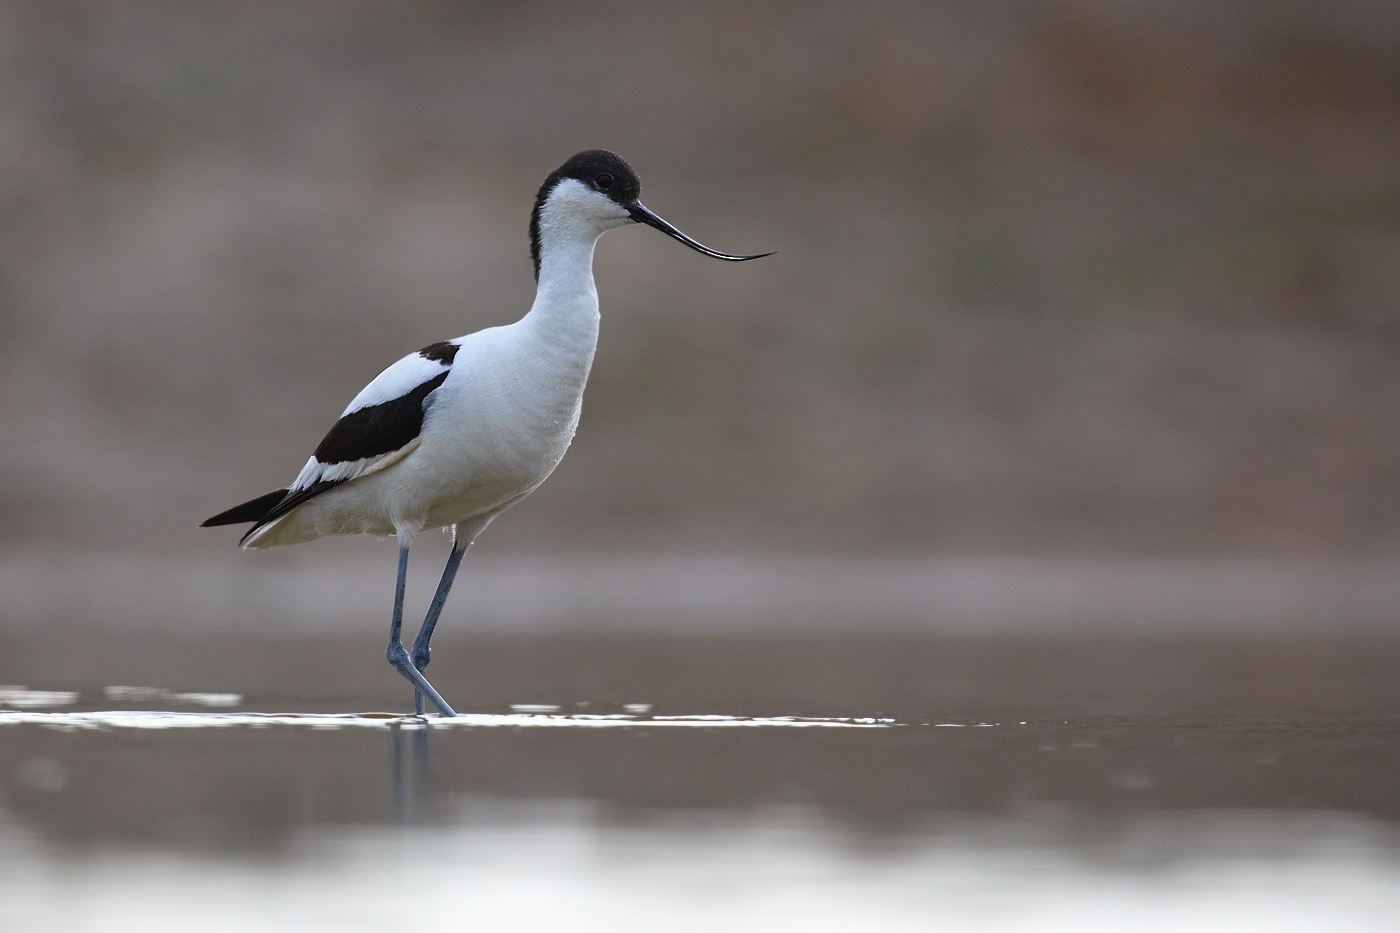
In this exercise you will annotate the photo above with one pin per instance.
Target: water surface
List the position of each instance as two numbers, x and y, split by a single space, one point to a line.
757 783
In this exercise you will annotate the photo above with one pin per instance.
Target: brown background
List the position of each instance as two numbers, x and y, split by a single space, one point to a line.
1054 278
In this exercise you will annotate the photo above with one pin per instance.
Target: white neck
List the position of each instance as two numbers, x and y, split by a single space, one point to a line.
565 297
570 221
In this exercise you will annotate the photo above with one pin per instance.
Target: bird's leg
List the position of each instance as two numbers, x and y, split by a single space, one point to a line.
396 654
421 652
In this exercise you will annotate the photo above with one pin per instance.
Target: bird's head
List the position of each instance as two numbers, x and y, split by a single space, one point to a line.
596 191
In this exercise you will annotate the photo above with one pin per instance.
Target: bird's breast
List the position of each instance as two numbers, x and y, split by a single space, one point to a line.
500 425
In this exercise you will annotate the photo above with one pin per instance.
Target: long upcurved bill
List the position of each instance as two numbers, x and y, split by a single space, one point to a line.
644 216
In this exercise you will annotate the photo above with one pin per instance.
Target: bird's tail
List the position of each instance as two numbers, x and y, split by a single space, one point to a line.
254 510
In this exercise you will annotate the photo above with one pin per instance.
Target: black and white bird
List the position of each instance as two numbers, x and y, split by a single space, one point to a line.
453 435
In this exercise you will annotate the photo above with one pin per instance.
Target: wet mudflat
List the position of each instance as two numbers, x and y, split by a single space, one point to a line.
815 782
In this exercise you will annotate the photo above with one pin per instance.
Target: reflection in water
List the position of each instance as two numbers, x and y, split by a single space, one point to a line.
495 866
410 770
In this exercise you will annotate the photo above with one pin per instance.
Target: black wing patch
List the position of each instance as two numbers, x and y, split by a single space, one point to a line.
444 352
377 429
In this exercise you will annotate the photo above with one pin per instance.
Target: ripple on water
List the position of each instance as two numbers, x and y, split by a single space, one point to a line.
17 697
146 719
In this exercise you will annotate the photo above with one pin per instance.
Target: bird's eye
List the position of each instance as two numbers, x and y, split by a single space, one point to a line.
604 181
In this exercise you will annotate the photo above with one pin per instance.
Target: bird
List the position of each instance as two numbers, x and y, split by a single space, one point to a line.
456 433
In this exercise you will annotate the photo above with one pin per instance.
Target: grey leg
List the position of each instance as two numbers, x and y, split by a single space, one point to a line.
421 652
396 654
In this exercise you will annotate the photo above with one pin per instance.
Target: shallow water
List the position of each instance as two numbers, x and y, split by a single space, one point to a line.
633 783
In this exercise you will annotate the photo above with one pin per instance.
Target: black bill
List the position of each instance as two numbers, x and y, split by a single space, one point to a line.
643 216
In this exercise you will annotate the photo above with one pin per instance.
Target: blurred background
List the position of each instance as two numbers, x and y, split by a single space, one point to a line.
1063 277
1066 410
1079 306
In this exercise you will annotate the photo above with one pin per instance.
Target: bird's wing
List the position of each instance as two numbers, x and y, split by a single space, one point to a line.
378 428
